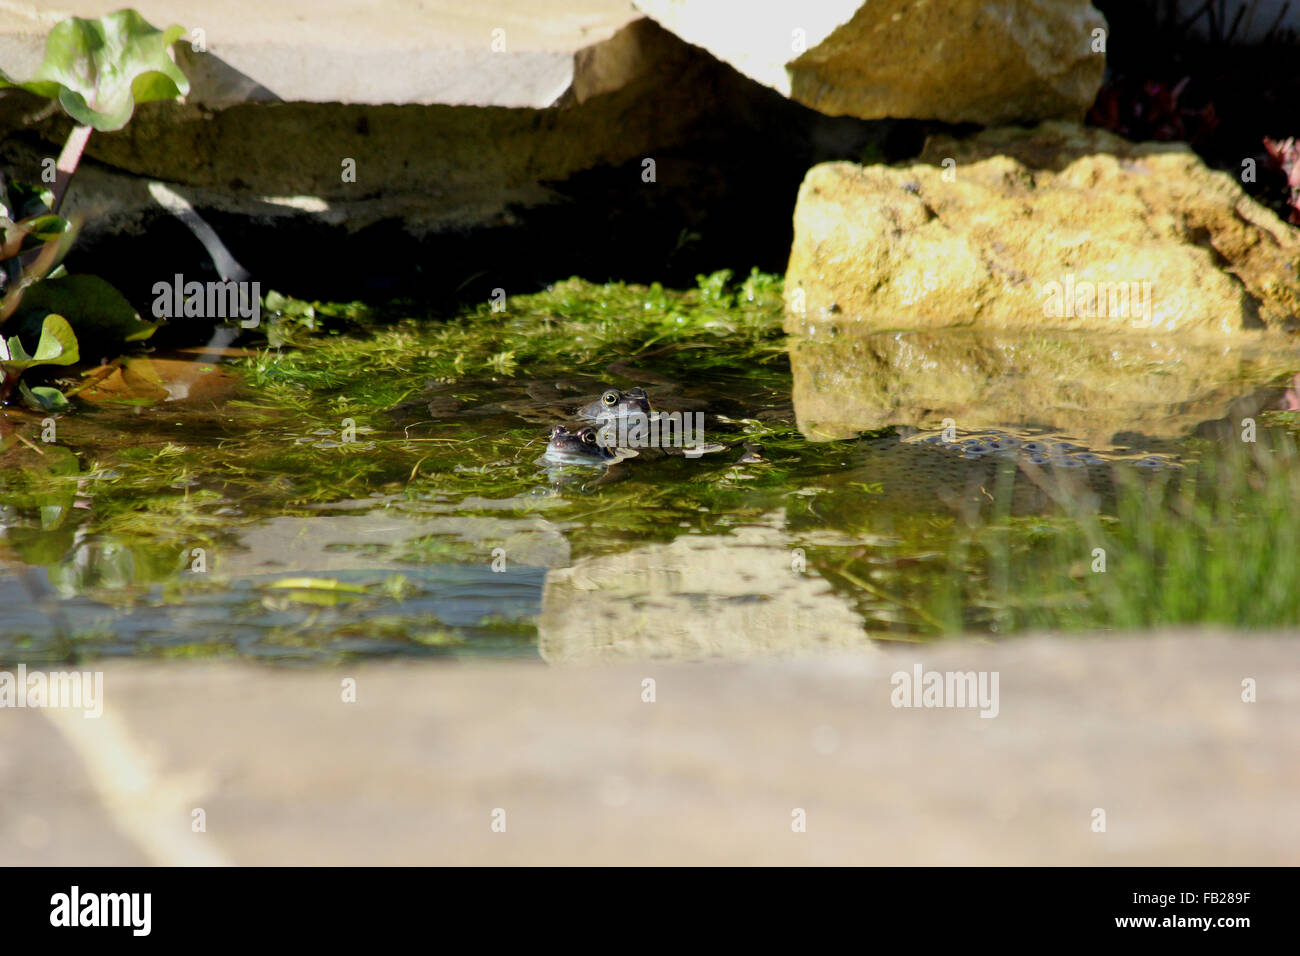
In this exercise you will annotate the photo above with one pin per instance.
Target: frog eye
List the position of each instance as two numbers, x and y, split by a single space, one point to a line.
610 397
589 436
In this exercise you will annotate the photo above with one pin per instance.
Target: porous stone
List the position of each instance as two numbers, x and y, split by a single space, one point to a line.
1058 227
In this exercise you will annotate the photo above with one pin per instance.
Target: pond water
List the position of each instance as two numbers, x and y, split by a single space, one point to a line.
360 483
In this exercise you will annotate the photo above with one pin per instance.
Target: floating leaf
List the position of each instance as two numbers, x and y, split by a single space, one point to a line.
150 380
43 398
101 315
134 382
100 69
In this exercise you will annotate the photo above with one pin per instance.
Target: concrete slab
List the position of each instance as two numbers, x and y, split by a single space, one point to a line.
402 190
488 53
394 150
1152 730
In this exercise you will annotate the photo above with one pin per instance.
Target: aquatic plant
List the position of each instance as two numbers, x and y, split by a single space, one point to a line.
97 70
57 346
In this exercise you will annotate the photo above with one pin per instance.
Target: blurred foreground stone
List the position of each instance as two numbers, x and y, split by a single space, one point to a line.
1150 729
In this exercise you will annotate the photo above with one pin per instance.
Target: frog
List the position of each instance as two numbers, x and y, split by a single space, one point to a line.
599 447
616 404
622 414
580 447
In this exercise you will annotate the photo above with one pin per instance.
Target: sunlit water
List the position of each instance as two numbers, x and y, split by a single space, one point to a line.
233 527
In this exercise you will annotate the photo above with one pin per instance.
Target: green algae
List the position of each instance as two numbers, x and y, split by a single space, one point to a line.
570 326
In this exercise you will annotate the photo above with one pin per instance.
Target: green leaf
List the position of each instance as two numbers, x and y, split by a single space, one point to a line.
101 316
43 398
100 69
45 227
275 302
57 346
27 200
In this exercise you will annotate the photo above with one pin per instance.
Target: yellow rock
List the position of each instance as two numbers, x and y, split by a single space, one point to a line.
1059 227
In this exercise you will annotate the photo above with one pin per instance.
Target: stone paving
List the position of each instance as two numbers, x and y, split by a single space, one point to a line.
581 770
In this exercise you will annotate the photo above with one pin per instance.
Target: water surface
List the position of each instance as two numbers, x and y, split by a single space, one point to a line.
375 490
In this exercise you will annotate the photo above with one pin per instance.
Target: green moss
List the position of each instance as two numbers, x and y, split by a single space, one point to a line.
571 325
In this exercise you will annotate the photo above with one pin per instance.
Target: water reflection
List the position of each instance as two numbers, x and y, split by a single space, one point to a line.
1136 389
434 530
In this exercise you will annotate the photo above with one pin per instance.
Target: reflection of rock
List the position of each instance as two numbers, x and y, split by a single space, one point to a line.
1057 227
381 540
698 597
982 474
1096 388
981 61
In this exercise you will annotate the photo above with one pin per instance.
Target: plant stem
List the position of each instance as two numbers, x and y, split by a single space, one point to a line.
67 163
68 160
